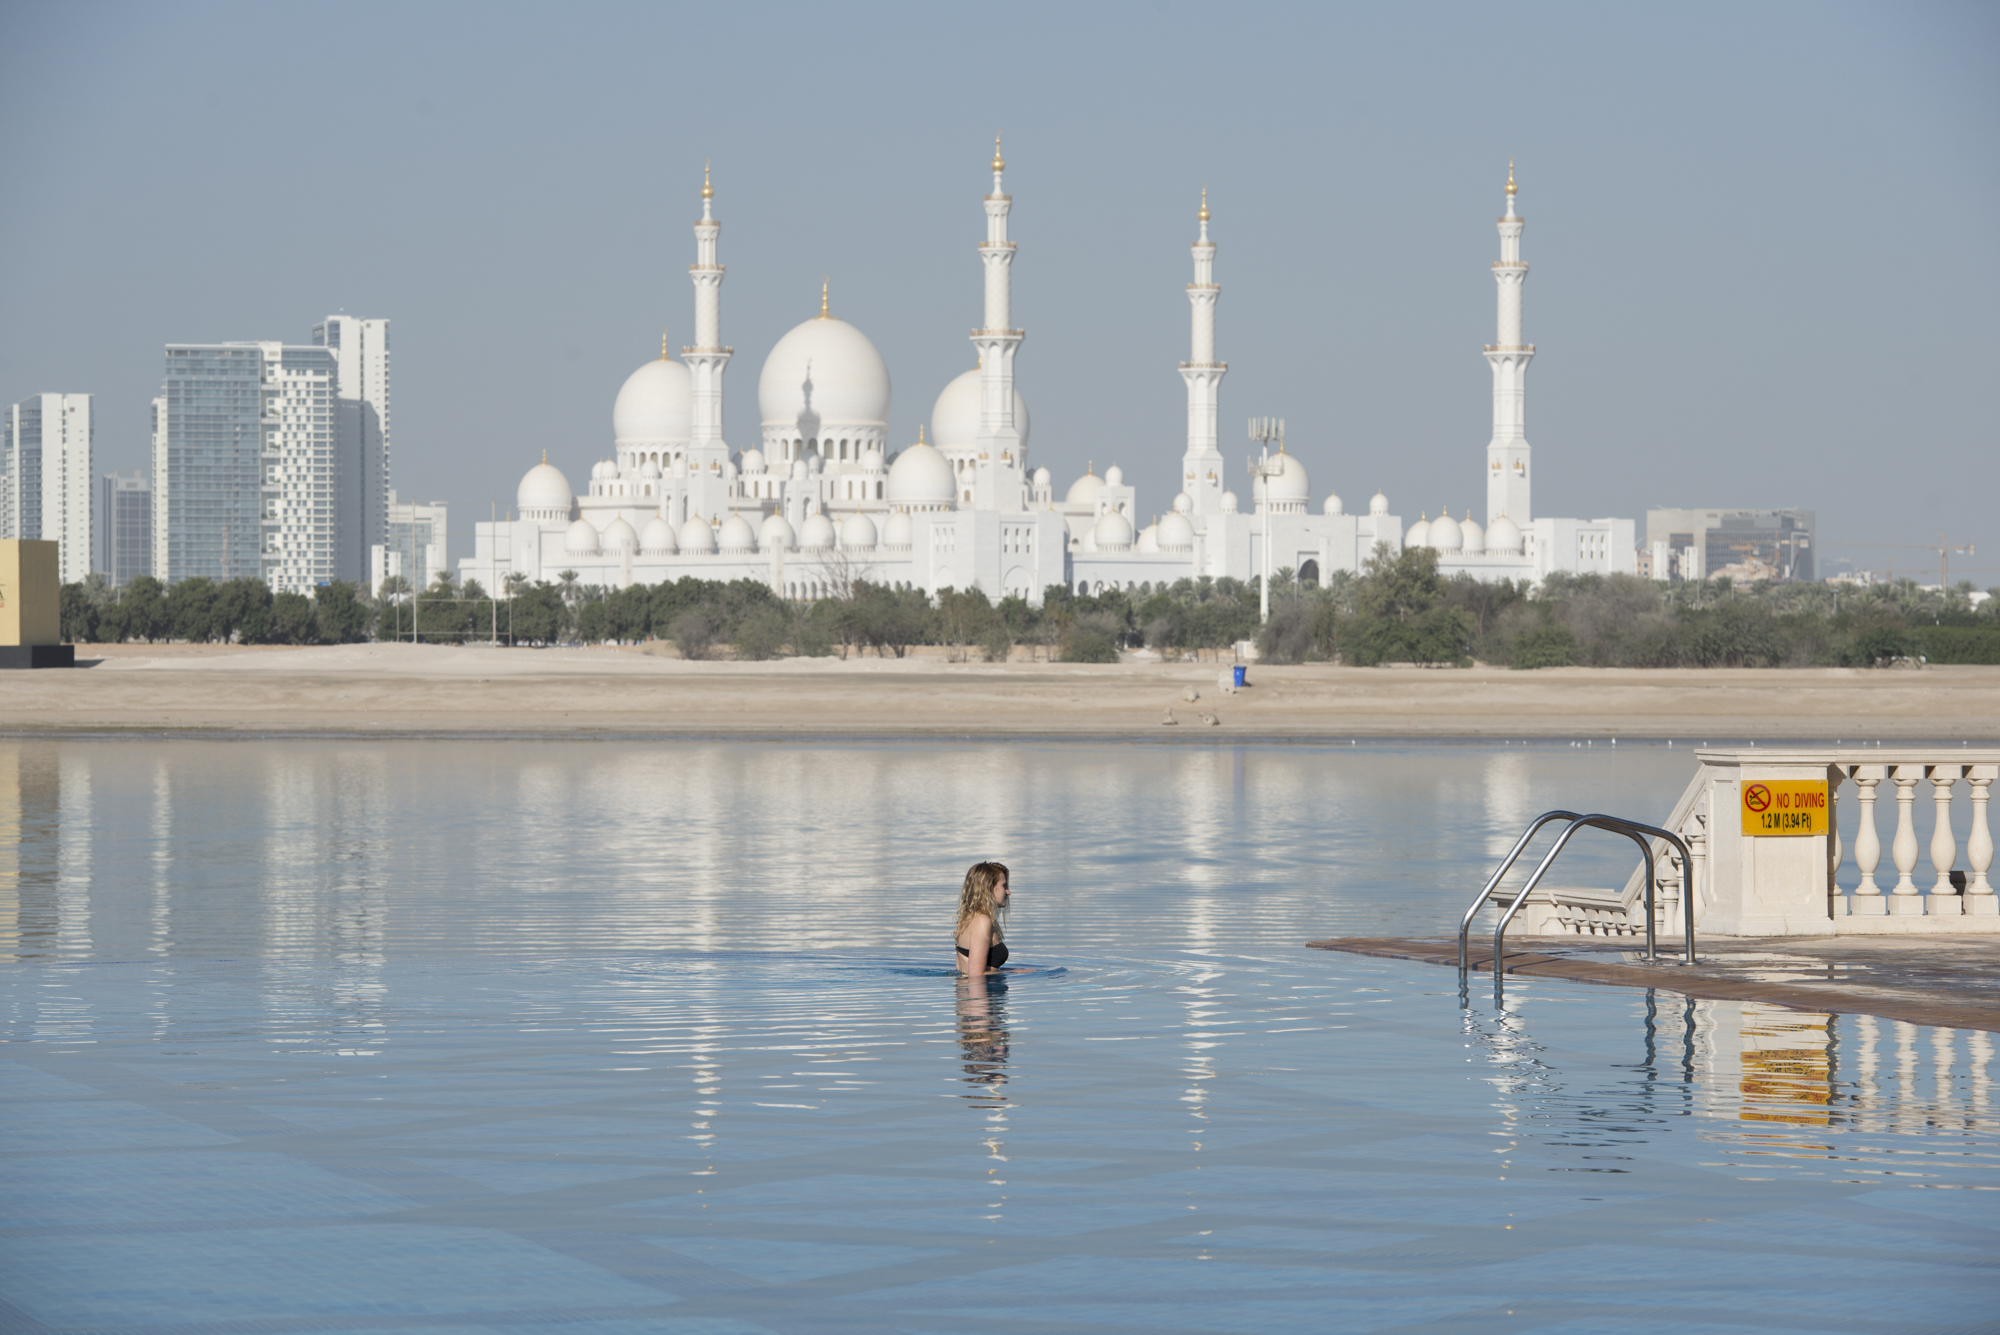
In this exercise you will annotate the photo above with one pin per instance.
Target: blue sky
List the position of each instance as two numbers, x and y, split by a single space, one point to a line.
1762 236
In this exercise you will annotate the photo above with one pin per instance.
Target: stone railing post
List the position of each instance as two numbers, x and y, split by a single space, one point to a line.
1944 900
1867 898
1980 900
1905 899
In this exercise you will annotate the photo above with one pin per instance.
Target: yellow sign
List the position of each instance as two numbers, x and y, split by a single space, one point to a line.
1784 806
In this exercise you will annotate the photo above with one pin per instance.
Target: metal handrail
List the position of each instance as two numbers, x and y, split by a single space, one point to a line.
1631 829
1465 923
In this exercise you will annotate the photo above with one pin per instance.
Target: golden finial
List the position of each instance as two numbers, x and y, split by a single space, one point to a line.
707 190
663 345
545 456
1510 176
823 314
1090 468
920 433
1203 215
999 163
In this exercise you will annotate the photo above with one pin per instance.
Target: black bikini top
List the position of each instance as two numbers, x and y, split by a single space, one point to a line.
996 954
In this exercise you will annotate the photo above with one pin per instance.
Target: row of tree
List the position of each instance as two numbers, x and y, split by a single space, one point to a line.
202 610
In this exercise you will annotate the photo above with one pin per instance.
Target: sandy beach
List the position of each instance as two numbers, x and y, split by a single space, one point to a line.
391 689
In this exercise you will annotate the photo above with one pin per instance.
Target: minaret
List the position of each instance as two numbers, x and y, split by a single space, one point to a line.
1000 470
707 359
1507 453
1201 466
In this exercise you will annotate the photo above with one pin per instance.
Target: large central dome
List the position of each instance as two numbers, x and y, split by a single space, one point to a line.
955 417
655 406
824 387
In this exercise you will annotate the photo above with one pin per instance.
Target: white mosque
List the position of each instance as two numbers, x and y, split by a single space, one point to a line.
822 500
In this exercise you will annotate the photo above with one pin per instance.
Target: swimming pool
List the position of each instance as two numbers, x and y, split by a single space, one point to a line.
614 1036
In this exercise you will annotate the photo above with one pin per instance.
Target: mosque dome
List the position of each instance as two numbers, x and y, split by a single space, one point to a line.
657 537
824 375
619 535
1084 490
655 406
1176 533
737 537
1475 536
1333 505
1113 532
1148 539
1289 486
871 459
1445 534
1229 503
1419 534
817 535
1114 476
1503 537
775 533
543 489
604 470
649 471
697 536
753 460
955 415
1378 504
1183 503
1044 478
857 533
581 539
899 533
922 476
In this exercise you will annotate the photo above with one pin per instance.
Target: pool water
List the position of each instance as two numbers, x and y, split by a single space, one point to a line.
620 1036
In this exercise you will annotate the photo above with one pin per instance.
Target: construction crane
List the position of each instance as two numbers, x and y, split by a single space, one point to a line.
1943 547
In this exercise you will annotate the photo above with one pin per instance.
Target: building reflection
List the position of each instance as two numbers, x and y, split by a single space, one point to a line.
39 904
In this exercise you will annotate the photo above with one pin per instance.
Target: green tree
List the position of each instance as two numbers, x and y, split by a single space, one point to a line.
340 615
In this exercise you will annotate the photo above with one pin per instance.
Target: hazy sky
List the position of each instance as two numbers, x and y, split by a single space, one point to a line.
1765 239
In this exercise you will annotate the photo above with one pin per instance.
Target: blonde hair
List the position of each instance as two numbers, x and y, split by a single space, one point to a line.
977 895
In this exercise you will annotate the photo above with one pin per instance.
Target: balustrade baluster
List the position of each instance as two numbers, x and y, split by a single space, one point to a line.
1944 901
1979 897
1903 898
1867 900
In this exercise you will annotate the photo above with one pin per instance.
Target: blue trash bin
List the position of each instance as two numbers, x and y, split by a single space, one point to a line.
1242 675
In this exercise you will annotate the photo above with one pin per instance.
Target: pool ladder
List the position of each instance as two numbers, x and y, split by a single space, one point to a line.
1639 833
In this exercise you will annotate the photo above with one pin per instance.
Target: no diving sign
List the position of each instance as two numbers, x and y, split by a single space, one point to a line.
1784 806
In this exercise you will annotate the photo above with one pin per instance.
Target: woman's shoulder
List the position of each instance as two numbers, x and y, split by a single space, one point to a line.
978 924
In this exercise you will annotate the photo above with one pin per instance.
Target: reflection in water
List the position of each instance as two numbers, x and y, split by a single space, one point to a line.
983 1042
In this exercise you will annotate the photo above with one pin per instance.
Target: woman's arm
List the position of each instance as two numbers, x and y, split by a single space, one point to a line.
978 941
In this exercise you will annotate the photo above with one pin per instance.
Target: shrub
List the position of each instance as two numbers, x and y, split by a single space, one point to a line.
693 632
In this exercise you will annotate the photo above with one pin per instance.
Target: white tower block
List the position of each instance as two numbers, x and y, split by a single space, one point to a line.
707 359
1000 470
1507 453
1201 466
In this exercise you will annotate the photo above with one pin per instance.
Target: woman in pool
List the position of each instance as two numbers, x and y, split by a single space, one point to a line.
982 948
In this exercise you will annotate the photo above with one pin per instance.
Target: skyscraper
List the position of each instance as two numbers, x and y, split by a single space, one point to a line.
124 527
361 349
45 477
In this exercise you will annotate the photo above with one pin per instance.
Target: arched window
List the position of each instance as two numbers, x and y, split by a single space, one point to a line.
1309 573
878 491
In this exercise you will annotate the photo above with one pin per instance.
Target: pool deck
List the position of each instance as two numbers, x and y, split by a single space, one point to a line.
1952 981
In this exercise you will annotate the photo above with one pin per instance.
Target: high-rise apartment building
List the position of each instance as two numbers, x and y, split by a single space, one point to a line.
124 527
247 469
45 477
361 348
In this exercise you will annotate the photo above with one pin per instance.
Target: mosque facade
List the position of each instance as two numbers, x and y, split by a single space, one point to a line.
822 499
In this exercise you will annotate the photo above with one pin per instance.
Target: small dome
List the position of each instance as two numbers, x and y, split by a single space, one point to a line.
955 415
1289 486
581 540
619 535
1229 505
799 470
1419 534
697 536
679 468
1044 478
753 460
1183 503
543 488
817 535
1333 506
1176 533
1148 539
1113 532
655 406
1475 536
871 460
737 537
857 533
657 536
775 533
1378 504
603 471
1084 490
1503 537
1446 535
921 476
649 470
899 532
1114 476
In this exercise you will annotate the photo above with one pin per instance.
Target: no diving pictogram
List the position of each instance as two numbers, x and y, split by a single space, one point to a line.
1757 797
